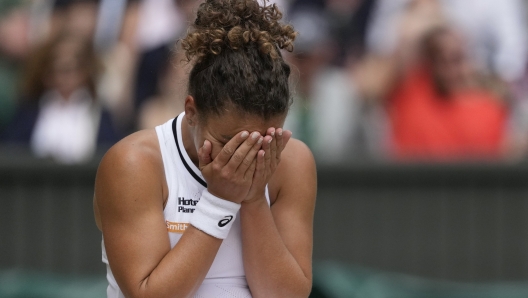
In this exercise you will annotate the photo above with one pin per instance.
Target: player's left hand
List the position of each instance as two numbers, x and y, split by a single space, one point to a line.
267 161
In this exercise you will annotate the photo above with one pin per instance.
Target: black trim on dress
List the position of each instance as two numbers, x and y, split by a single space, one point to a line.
174 132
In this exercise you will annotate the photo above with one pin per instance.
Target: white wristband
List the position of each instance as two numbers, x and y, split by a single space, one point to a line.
213 215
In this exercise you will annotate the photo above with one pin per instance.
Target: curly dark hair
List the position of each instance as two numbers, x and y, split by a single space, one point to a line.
235 47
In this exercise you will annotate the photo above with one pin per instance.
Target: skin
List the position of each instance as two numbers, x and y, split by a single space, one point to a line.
451 66
131 192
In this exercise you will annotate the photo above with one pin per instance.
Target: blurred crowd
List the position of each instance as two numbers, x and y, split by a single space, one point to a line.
401 80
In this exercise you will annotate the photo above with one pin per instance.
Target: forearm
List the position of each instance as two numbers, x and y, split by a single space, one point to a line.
182 270
271 270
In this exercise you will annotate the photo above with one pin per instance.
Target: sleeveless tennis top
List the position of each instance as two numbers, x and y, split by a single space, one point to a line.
226 277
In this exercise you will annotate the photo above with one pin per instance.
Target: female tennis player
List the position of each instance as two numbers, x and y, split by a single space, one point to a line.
219 201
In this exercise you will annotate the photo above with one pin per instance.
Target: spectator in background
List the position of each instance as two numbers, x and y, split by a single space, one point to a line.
116 44
327 111
346 22
495 31
173 78
49 18
325 106
160 23
80 18
61 117
14 46
395 38
169 101
443 108
136 57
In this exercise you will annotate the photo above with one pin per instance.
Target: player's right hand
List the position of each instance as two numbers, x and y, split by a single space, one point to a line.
230 175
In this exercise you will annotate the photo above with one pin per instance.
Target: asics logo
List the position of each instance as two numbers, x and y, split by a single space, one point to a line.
225 221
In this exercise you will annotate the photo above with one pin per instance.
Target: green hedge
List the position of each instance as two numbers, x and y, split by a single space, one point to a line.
337 280
24 284
331 280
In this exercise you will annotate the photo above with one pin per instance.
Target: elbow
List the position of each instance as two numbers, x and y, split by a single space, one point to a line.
146 290
301 289
145 294
305 289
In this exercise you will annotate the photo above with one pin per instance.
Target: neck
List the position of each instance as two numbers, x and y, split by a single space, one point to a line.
188 140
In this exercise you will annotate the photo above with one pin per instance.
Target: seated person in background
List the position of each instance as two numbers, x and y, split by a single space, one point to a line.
61 117
14 45
442 108
171 95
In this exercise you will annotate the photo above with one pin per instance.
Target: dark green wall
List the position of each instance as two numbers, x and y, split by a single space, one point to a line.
457 222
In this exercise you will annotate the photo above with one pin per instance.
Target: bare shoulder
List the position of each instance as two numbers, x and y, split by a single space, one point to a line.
296 171
297 153
131 170
142 144
137 152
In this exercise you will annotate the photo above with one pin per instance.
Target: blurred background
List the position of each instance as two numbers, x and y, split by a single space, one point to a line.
416 111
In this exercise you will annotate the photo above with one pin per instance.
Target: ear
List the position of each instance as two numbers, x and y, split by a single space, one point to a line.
191 113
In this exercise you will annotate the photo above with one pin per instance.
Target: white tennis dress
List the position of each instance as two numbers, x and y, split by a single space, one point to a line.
226 277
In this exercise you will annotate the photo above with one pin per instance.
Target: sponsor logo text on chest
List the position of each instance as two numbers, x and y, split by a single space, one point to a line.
186 206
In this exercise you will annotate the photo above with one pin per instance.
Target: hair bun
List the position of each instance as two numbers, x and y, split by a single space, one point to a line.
234 24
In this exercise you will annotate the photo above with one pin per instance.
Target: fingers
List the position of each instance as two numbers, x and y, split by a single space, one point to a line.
266 146
280 140
260 165
258 175
239 156
204 155
280 137
251 170
273 145
257 171
283 137
229 149
250 156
